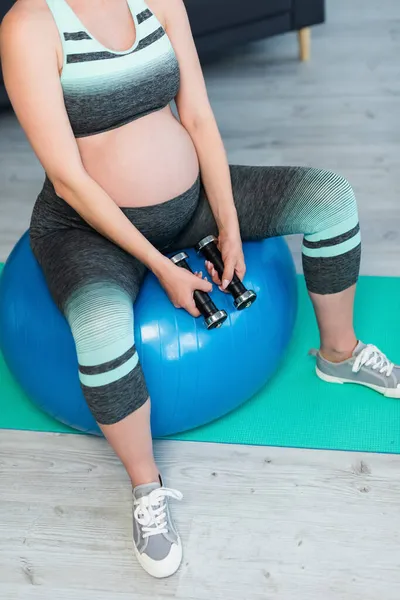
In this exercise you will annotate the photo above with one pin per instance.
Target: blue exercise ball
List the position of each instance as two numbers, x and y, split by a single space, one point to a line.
194 375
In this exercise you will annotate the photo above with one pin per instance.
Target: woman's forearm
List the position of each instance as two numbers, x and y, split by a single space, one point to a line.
214 171
100 211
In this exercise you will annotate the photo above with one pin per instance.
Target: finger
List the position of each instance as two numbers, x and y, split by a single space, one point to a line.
241 270
192 309
209 266
203 285
213 273
228 273
199 274
198 283
215 277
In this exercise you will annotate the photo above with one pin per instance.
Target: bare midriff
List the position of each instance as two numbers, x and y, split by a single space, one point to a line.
148 161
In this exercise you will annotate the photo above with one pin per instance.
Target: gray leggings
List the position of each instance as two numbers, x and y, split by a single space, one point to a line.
95 283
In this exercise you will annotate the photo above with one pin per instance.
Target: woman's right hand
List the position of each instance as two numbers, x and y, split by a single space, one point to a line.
180 285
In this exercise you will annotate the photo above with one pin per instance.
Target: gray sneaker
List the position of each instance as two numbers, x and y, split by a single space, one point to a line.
368 366
156 542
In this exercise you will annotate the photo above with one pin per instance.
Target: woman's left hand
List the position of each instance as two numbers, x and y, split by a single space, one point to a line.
230 245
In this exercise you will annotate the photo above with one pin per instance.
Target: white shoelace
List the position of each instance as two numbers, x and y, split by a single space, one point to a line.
372 357
151 511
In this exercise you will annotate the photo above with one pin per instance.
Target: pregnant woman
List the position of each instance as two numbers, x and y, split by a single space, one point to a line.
91 82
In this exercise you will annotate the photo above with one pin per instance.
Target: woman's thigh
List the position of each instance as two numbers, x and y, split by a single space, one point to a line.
95 284
272 201
276 201
73 258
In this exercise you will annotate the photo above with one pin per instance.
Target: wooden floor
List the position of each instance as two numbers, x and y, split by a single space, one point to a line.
256 522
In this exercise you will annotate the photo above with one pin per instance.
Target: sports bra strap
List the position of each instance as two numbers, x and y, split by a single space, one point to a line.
137 6
65 18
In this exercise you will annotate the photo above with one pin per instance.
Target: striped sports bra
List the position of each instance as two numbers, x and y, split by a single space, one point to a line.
104 89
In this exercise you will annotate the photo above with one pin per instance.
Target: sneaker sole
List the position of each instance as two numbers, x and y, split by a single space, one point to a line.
388 392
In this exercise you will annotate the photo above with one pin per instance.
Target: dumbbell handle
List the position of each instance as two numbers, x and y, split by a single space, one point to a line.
212 316
202 300
209 249
212 253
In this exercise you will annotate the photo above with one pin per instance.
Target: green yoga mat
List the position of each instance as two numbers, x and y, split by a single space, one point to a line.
295 409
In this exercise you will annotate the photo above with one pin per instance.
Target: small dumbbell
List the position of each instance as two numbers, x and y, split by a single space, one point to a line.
213 317
242 297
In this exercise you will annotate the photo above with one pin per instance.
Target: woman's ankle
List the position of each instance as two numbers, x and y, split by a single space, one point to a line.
338 353
143 474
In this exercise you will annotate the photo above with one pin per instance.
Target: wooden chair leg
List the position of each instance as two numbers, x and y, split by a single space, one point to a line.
304 43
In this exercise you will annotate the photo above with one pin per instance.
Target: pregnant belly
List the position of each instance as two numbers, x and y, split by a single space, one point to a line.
148 161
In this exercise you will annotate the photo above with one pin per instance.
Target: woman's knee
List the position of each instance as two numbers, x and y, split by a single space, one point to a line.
342 193
332 251
332 216
334 197
101 321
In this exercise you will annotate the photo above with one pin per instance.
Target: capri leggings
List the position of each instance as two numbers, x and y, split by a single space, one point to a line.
95 283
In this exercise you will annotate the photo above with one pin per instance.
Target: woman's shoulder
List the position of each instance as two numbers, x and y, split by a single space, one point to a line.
26 18
164 9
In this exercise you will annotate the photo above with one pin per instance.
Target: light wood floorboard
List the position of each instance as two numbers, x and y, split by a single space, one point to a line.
256 522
